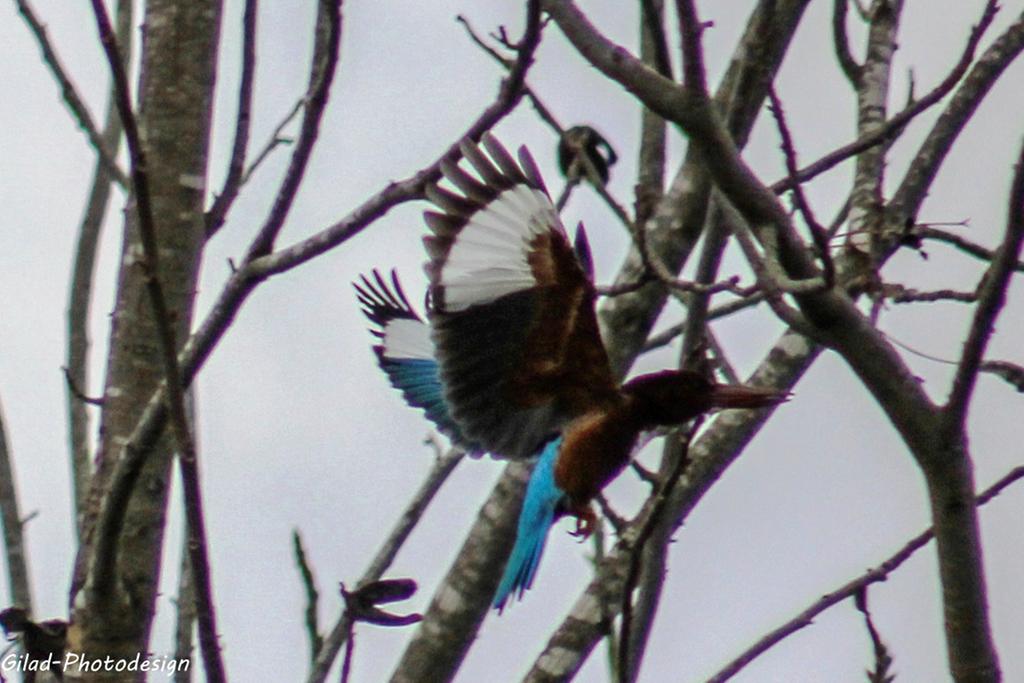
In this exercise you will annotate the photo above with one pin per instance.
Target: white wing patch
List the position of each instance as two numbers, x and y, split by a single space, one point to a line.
405 338
488 258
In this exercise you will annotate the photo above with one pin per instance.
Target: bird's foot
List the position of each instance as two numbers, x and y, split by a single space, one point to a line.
586 521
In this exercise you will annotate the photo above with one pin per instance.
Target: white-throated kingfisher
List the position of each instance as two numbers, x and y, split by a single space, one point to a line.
512 362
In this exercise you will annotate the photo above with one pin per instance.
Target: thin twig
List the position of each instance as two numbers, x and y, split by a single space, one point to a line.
74 101
214 218
80 288
899 294
917 352
1012 373
659 43
720 359
185 608
16 559
879 573
883 660
385 556
666 336
658 505
275 140
542 110
350 646
617 521
818 233
752 298
545 114
773 282
563 198
731 284
991 298
316 640
75 391
968 247
691 29
895 125
325 61
841 42
696 331
644 474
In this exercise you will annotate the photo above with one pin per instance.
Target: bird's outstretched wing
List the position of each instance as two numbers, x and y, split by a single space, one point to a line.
512 310
406 352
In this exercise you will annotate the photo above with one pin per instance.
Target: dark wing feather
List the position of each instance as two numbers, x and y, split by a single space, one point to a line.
512 309
406 352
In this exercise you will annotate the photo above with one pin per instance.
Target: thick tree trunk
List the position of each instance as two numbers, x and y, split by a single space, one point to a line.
177 77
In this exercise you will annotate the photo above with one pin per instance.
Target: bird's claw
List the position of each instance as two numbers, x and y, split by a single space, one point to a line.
586 521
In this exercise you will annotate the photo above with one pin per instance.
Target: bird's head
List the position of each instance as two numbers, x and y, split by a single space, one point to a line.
671 397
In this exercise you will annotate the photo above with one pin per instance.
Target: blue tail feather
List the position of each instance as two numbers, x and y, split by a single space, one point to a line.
535 521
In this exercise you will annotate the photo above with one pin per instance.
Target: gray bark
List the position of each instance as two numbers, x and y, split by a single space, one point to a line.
175 97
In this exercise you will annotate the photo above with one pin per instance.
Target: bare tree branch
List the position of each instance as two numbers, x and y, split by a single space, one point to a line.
385 556
899 294
841 42
648 560
710 455
653 556
226 197
818 233
104 151
991 298
929 233
275 140
897 123
880 573
325 60
678 216
650 177
628 662
928 158
252 272
185 606
653 34
849 332
16 559
690 30
1012 373
80 291
197 543
545 114
872 91
880 673
316 640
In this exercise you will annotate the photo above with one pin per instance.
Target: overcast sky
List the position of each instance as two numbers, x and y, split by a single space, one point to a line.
298 428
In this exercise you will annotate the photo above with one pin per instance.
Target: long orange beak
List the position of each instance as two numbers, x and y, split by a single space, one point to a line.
743 396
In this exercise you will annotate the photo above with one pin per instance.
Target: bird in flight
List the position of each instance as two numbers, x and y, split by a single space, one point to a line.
511 360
